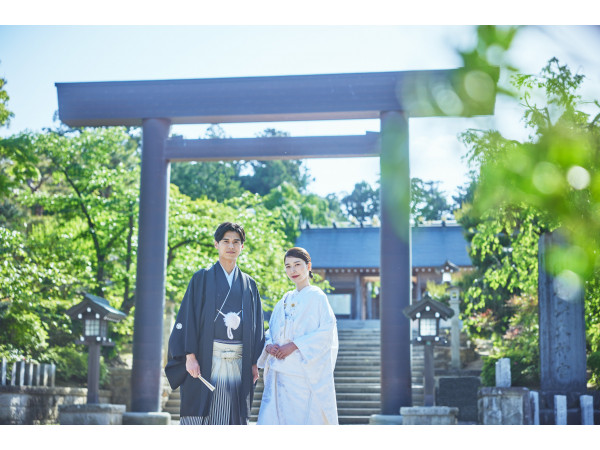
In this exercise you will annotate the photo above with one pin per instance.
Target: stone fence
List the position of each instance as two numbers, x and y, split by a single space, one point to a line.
38 405
26 373
28 395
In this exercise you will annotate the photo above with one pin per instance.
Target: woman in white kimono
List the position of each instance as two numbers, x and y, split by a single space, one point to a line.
300 352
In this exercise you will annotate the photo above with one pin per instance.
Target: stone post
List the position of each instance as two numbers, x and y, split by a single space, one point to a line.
13 375
503 376
535 406
3 379
21 374
52 374
455 334
36 375
29 374
44 374
560 409
587 409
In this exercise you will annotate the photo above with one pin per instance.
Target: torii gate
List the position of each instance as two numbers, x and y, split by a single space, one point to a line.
392 97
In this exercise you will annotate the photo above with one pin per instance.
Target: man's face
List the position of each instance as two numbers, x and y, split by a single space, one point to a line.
230 246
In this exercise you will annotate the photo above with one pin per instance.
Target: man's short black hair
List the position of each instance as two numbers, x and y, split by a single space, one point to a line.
229 226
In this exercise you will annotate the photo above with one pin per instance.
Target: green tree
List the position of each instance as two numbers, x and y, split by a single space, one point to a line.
267 175
5 114
218 180
17 157
95 179
362 203
291 208
466 192
335 208
427 201
214 180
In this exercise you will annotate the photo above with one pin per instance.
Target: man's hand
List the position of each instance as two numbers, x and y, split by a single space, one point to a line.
285 350
254 374
192 366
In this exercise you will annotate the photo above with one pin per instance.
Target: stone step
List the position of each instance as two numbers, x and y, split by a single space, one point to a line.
358 411
354 420
352 362
348 388
358 399
357 379
342 420
358 396
341 411
369 366
350 358
361 404
361 372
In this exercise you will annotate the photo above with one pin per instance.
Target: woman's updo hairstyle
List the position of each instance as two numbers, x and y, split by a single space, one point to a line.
299 252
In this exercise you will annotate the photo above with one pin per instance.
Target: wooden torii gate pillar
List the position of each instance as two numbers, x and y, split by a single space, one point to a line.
392 97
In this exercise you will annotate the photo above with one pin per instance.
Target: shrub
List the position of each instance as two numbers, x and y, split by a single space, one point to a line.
593 363
524 368
72 366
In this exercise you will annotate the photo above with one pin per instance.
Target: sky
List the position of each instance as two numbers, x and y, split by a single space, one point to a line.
34 58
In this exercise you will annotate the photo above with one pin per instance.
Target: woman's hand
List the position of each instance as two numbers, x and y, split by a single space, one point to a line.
192 366
285 350
272 349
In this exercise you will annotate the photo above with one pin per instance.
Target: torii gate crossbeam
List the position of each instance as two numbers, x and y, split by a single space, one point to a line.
392 97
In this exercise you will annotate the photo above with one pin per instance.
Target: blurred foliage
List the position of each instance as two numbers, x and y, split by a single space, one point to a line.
548 182
438 292
556 172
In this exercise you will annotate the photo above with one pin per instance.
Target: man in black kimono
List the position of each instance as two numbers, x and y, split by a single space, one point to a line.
219 335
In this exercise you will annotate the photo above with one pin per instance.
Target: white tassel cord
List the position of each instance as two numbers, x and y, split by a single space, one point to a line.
232 322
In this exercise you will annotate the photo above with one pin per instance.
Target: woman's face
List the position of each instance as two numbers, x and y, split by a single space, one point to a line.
296 269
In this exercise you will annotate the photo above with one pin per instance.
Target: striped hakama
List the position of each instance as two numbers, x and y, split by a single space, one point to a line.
226 376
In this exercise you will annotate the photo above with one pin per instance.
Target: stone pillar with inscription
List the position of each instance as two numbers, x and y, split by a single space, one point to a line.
562 336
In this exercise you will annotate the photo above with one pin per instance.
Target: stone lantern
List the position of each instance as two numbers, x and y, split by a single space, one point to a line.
447 269
95 313
428 313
